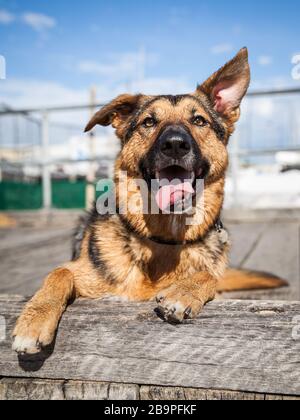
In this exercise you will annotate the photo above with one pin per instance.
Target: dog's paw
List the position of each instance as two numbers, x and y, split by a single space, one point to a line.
26 345
176 305
34 331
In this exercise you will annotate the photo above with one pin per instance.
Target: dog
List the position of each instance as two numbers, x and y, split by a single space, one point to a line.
141 256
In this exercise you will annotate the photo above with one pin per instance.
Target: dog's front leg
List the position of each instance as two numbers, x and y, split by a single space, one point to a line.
184 299
37 324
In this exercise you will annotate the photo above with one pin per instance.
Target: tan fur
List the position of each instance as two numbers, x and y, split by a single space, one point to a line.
41 315
183 277
249 280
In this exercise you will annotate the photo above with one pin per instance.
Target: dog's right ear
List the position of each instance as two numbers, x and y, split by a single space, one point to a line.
116 113
227 87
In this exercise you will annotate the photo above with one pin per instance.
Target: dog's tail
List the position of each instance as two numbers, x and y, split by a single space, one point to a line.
238 279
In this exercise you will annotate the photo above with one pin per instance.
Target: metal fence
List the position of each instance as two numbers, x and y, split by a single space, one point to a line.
51 140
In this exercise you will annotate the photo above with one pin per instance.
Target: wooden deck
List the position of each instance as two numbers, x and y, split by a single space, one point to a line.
238 346
245 346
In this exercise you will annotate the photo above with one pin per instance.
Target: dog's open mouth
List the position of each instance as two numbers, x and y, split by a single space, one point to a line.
177 186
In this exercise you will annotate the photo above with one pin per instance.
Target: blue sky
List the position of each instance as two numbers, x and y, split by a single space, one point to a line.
55 50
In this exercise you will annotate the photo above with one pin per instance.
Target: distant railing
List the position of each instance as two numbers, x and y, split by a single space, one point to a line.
270 123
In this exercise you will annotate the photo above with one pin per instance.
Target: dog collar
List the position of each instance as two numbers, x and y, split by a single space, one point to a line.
218 226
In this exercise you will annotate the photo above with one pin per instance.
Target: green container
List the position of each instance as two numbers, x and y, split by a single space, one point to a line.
29 196
68 195
20 196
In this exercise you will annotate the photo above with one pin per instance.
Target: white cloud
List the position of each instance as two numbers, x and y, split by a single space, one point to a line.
6 17
19 93
124 66
274 83
222 48
264 107
126 72
39 22
265 60
27 93
163 86
127 68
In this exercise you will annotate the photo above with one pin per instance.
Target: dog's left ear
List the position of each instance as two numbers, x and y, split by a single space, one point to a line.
227 87
116 112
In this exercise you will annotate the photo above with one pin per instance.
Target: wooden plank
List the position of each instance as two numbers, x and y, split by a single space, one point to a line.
243 236
41 389
23 238
29 257
155 393
28 389
277 252
234 345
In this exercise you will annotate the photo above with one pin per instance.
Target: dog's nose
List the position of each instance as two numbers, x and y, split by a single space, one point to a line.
175 142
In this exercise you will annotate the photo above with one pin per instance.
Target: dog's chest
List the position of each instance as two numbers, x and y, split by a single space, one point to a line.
158 261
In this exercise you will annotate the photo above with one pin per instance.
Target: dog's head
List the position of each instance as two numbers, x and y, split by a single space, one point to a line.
180 137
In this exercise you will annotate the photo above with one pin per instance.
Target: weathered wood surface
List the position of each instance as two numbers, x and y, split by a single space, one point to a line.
240 346
40 389
272 247
27 255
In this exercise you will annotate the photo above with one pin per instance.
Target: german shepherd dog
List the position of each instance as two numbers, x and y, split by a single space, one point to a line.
142 256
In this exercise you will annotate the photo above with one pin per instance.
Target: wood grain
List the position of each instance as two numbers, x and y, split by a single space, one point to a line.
240 346
41 389
27 256
275 249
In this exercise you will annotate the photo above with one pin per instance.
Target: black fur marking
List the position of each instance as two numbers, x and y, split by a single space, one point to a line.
173 99
133 124
88 223
96 260
125 236
217 125
85 221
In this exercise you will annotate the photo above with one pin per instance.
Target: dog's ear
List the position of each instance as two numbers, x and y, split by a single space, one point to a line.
227 87
116 112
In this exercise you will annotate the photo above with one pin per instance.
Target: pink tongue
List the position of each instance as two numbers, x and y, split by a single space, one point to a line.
168 195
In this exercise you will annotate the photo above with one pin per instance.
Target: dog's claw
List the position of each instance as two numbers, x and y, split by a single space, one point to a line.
168 314
159 299
187 313
174 306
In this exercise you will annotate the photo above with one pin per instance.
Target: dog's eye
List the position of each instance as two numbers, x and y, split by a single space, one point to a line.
200 121
149 122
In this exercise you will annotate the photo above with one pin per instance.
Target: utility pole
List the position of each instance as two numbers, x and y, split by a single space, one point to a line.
46 173
235 169
90 194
